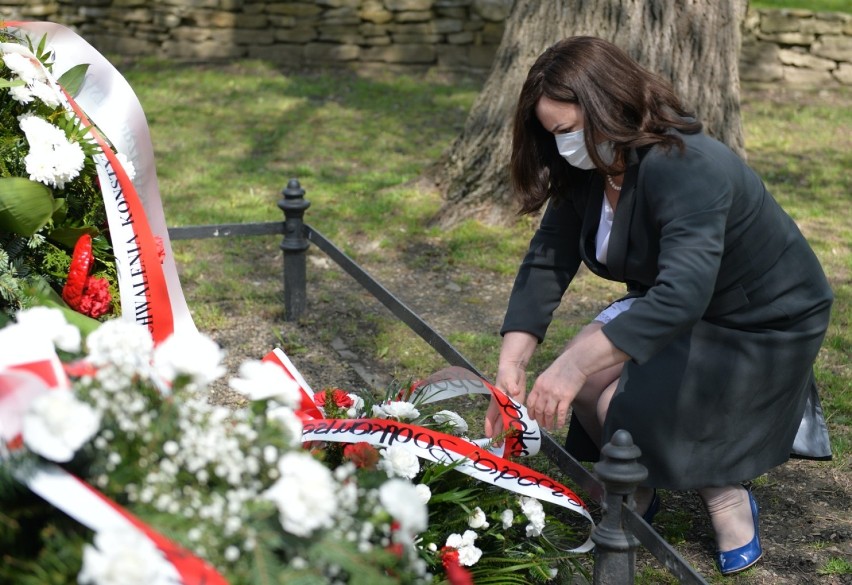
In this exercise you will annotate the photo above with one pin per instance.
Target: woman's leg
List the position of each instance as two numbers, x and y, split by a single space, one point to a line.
585 404
643 495
730 512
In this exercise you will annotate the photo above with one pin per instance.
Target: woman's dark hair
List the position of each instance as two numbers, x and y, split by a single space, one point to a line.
620 101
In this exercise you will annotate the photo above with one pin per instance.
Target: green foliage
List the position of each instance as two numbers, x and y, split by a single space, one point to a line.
836 566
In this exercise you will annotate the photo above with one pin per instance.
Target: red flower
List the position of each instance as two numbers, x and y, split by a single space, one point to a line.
341 398
396 549
83 293
96 298
458 575
362 454
450 557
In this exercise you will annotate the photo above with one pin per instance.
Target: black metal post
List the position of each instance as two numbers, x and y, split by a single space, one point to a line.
615 546
294 246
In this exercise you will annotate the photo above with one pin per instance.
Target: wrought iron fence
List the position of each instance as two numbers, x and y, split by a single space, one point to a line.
616 476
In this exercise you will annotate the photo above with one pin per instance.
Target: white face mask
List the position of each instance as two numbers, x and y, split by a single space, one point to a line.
572 147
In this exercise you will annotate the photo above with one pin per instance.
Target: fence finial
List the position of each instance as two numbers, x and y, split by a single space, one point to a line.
615 546
294 246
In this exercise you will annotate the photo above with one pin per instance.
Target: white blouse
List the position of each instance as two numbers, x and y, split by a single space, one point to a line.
601 248
604 228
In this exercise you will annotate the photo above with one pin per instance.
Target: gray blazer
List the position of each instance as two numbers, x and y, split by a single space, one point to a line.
733 306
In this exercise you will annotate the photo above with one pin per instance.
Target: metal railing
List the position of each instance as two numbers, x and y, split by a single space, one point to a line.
616 476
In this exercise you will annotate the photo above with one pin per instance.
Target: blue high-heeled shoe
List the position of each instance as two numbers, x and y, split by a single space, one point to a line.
653 508
739 559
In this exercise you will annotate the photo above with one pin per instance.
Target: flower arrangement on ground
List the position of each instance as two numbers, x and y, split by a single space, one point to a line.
478 532
232 487
54 239
249 493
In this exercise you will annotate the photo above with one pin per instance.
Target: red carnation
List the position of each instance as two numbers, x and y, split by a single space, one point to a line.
362 454
341 398
458 575
96 298
450 557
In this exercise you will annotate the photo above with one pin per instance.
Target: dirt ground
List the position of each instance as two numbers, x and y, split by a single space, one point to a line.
805 506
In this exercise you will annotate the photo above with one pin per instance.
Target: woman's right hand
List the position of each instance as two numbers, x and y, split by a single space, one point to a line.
512 380
515 353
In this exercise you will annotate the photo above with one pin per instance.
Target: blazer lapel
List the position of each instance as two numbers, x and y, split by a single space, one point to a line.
591 219
616 258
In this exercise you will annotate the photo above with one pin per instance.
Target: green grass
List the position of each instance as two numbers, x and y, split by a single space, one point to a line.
812 5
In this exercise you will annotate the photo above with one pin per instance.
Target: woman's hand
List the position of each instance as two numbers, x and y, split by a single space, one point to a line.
554 391
556 388
515 353
512 380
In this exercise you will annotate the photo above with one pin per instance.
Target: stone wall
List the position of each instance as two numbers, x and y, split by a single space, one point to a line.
796 47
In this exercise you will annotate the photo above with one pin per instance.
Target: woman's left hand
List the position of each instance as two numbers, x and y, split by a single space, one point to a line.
554 391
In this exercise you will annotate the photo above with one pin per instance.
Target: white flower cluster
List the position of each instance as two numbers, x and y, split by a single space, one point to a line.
215 458
534 511
396 409
399 461
212 468
469 555
305 494
457 424
57 424
121 351
53 159
125 557
32 81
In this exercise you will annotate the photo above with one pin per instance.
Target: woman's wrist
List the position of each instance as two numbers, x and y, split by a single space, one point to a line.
517 348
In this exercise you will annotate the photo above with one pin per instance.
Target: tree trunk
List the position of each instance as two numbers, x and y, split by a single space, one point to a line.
693 43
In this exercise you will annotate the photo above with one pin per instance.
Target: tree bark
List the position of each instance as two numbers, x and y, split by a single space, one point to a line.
695 44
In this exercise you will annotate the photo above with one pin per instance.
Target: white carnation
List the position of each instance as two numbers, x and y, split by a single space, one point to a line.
457 423
357 407
46 320
21 63
477 519
397 409
305 494
21 94
399 461
266 380
189 354
463 543
52 159
125 557
46 93
534 512
423 492
507 518
56 424
403 502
